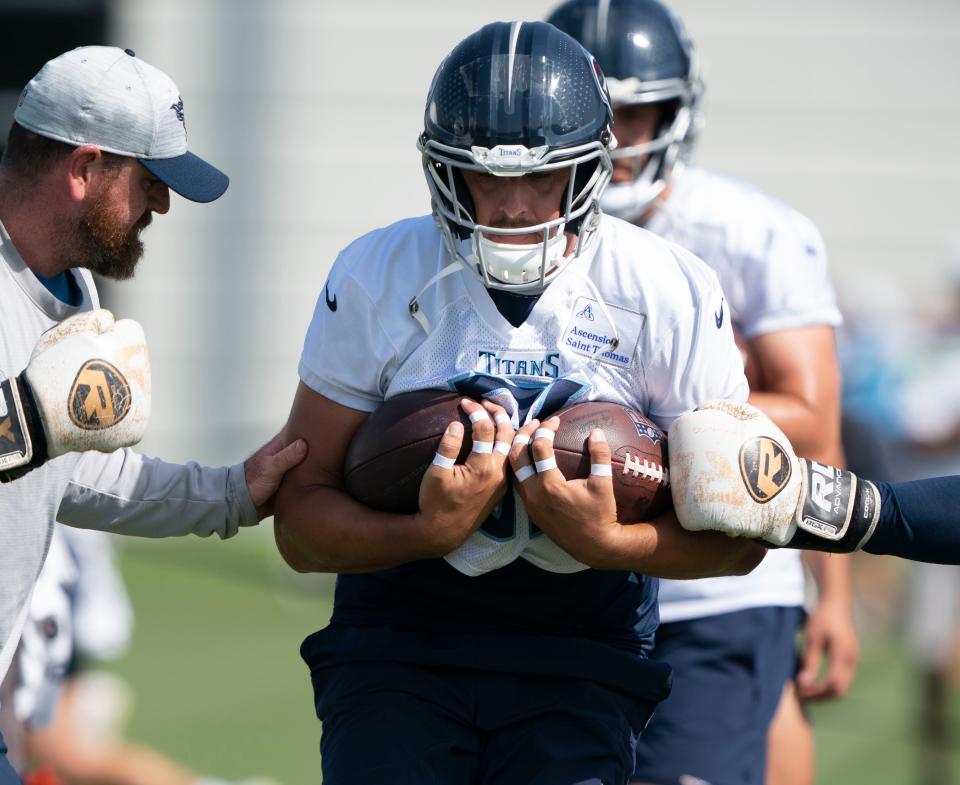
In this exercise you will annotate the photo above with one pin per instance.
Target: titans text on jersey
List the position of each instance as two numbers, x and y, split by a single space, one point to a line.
516 364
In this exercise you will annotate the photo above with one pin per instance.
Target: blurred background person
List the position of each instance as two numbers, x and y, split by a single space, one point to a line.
933 635
906 405
731 641
932 426
70 711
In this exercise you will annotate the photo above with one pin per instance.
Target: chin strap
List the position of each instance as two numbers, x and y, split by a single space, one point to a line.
415 310
629 201
519 264
662 210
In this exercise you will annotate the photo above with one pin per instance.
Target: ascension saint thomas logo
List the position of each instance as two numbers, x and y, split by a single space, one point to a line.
586 313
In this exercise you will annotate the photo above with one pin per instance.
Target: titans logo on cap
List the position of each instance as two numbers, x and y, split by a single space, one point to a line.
178 109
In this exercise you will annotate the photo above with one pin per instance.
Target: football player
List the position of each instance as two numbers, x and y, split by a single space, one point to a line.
730 640
466 645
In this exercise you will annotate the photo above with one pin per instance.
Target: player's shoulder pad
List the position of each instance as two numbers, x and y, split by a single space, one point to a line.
375 250
756 225
384 259
661 276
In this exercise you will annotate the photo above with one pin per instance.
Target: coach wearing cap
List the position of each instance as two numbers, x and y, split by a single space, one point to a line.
98 138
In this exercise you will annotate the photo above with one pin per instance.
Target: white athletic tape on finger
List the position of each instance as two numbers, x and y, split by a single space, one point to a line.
502 447
546 464
524 473
443 461
478 415
545 433
501 419
484 448
601 470
521 438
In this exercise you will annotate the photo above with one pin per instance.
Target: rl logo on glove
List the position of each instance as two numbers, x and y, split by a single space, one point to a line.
100 396
828 498
764 467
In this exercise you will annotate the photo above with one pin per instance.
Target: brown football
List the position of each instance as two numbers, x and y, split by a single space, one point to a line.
393 448
639 449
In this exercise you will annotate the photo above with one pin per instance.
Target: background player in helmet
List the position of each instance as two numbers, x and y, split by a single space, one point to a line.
464 644
772 268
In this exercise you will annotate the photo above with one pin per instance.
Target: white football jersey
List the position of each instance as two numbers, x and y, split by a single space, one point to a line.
46 645
675 347
79 607
773 269
100 605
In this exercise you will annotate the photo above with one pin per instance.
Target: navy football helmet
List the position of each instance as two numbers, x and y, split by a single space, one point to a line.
512 99
648 58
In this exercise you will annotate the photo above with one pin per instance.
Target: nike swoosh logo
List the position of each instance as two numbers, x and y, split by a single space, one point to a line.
718 316
332 302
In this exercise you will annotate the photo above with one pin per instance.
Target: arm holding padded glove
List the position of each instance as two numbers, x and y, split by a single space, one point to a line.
86 387
733 470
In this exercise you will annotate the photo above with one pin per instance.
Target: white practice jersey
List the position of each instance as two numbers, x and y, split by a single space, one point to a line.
773 269
46 644
102 613
674 349
122 491
79 607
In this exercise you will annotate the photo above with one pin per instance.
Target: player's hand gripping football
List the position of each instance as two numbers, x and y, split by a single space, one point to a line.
733 470
579 515
456 498
86 387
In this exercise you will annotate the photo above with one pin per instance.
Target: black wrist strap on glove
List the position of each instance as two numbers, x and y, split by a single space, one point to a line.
23 446
840 510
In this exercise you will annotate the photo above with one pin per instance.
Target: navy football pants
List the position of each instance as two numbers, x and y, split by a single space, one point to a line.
7 775
729 672
394 724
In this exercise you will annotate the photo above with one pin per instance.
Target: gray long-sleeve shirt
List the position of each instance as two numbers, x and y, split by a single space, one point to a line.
121 492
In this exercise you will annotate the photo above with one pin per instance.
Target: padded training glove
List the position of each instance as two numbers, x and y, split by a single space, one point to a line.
733 470
86 387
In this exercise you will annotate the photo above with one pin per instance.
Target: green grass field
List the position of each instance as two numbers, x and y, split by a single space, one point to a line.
220 685
215 661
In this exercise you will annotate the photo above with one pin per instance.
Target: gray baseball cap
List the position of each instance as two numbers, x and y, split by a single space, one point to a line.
110 98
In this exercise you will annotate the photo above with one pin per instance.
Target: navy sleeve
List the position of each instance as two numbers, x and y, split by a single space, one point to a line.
919 520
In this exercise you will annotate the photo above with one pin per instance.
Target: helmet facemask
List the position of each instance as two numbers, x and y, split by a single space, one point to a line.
508 266
656 161
517 99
